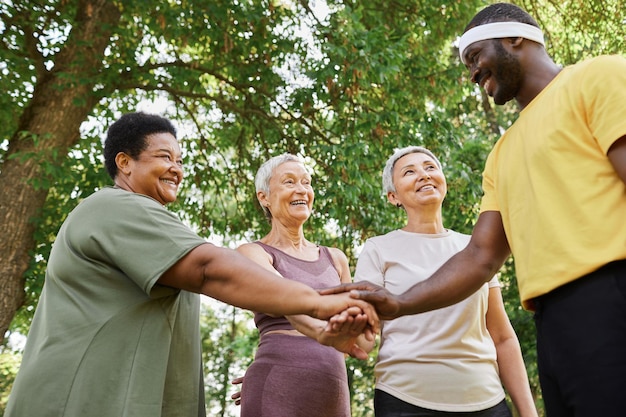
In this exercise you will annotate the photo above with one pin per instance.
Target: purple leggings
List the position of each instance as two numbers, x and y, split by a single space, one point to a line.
297 377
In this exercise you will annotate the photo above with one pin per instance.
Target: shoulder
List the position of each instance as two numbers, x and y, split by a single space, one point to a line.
250 248
337 254
340 262
459 236
605 64
393 236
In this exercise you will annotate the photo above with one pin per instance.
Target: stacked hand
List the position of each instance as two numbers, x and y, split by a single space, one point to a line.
385 303
344 329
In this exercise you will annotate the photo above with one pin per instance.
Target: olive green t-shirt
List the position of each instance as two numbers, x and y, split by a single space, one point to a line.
106 339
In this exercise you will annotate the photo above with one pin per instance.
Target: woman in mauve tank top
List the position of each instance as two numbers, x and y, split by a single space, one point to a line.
292 374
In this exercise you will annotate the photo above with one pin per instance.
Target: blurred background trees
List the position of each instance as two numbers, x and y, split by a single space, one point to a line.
342 83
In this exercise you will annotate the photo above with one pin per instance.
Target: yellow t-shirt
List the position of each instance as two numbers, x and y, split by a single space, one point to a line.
563 206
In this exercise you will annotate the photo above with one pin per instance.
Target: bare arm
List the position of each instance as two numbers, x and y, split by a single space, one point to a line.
465 272
510 362
228 276
457 279
352 336
617 156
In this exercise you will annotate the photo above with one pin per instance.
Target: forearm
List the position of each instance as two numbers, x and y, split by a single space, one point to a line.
306 325
236 280
458 278
514 377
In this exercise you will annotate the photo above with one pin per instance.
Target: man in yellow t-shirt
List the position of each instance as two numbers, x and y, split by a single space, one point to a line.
554 197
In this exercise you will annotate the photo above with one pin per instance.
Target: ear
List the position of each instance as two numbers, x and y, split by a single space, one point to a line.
260 195
122 160
391 197
515 42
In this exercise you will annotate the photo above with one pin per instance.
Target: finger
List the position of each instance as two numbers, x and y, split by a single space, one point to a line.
358 353
359 324
333 290
369 310
370 336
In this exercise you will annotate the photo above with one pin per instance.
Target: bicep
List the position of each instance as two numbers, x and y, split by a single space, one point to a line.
489 246
188 272
340 260
617 156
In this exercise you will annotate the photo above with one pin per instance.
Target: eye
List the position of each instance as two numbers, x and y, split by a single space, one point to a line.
471 59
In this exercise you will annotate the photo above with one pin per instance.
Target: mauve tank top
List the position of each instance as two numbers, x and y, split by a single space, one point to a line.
316 274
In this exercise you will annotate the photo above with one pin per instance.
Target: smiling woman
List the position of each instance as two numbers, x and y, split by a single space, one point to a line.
463 353
293 375
120 300
157 171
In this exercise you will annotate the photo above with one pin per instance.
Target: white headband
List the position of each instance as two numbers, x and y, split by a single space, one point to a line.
499 30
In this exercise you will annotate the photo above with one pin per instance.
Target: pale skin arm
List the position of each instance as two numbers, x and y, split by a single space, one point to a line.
457 279
228 276
509 355
347 329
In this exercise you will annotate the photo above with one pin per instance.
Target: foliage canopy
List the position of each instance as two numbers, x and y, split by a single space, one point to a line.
245 80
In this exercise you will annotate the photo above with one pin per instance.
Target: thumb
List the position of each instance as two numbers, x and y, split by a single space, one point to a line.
358 353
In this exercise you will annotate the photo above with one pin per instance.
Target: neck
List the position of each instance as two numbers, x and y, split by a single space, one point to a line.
286 238
538 78
420 222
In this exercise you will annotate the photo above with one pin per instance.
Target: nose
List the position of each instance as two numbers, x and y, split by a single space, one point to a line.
177 167
474 73
300 188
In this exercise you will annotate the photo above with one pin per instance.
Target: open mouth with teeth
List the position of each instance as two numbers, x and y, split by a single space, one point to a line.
298 203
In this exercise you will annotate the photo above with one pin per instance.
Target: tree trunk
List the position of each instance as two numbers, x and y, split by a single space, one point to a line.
48 126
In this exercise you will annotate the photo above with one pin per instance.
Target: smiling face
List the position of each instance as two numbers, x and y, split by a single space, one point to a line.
290 197
418 181
156 172
495 69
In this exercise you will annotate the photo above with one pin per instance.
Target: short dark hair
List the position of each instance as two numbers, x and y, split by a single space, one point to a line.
501 12
128 134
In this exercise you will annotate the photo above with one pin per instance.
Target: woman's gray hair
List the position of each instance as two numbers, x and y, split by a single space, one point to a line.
264 174
391 162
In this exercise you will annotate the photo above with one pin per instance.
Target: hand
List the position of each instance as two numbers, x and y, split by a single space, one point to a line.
385 303
237 396
335 303
343 331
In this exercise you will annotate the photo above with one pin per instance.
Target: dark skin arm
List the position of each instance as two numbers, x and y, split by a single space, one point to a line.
617 156
457 279
228 276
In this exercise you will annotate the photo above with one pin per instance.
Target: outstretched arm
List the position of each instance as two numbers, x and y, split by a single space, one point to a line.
226 275
457 279
350 332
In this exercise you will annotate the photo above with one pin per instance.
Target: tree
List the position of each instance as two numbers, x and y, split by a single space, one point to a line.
247 82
